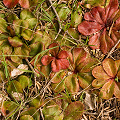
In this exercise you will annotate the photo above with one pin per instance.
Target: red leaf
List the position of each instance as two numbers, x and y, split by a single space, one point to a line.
54 52
46 59
56 66
111 8
10 3
94 15
109 67
64 63
79 55
24 3
88 28
106 43
94 40
63 54
99 73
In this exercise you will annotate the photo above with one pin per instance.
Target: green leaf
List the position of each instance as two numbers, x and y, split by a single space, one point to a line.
15 41
20 25
27 34
24 81
8 107
14 86
74 111
26 117
36 47
32 22
3 25
71 83
63 11
85 79
32 111
26 14
51 110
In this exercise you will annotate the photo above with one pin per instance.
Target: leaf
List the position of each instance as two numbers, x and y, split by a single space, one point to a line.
111 8
74 111
32 22
99 73
17 72
32 111
88 28
26 117
107 90
36 47
8 107
62 54
106 43
24 3
98 82
3 25
58 76
54 52
26 14
63 11
58 87
24 81
117 90
79 55
51 110
15 41
109 67
71 83
10 3
20 25
85 79
37 102
14 86
27 34
47 59
56 65
94 41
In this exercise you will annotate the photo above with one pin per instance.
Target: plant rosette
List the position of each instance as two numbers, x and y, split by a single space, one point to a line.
77 75
107 78
15 37
103 24
57 58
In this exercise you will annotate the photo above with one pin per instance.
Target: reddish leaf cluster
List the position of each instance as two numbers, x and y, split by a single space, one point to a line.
107 76
58 58
97 22
12 3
